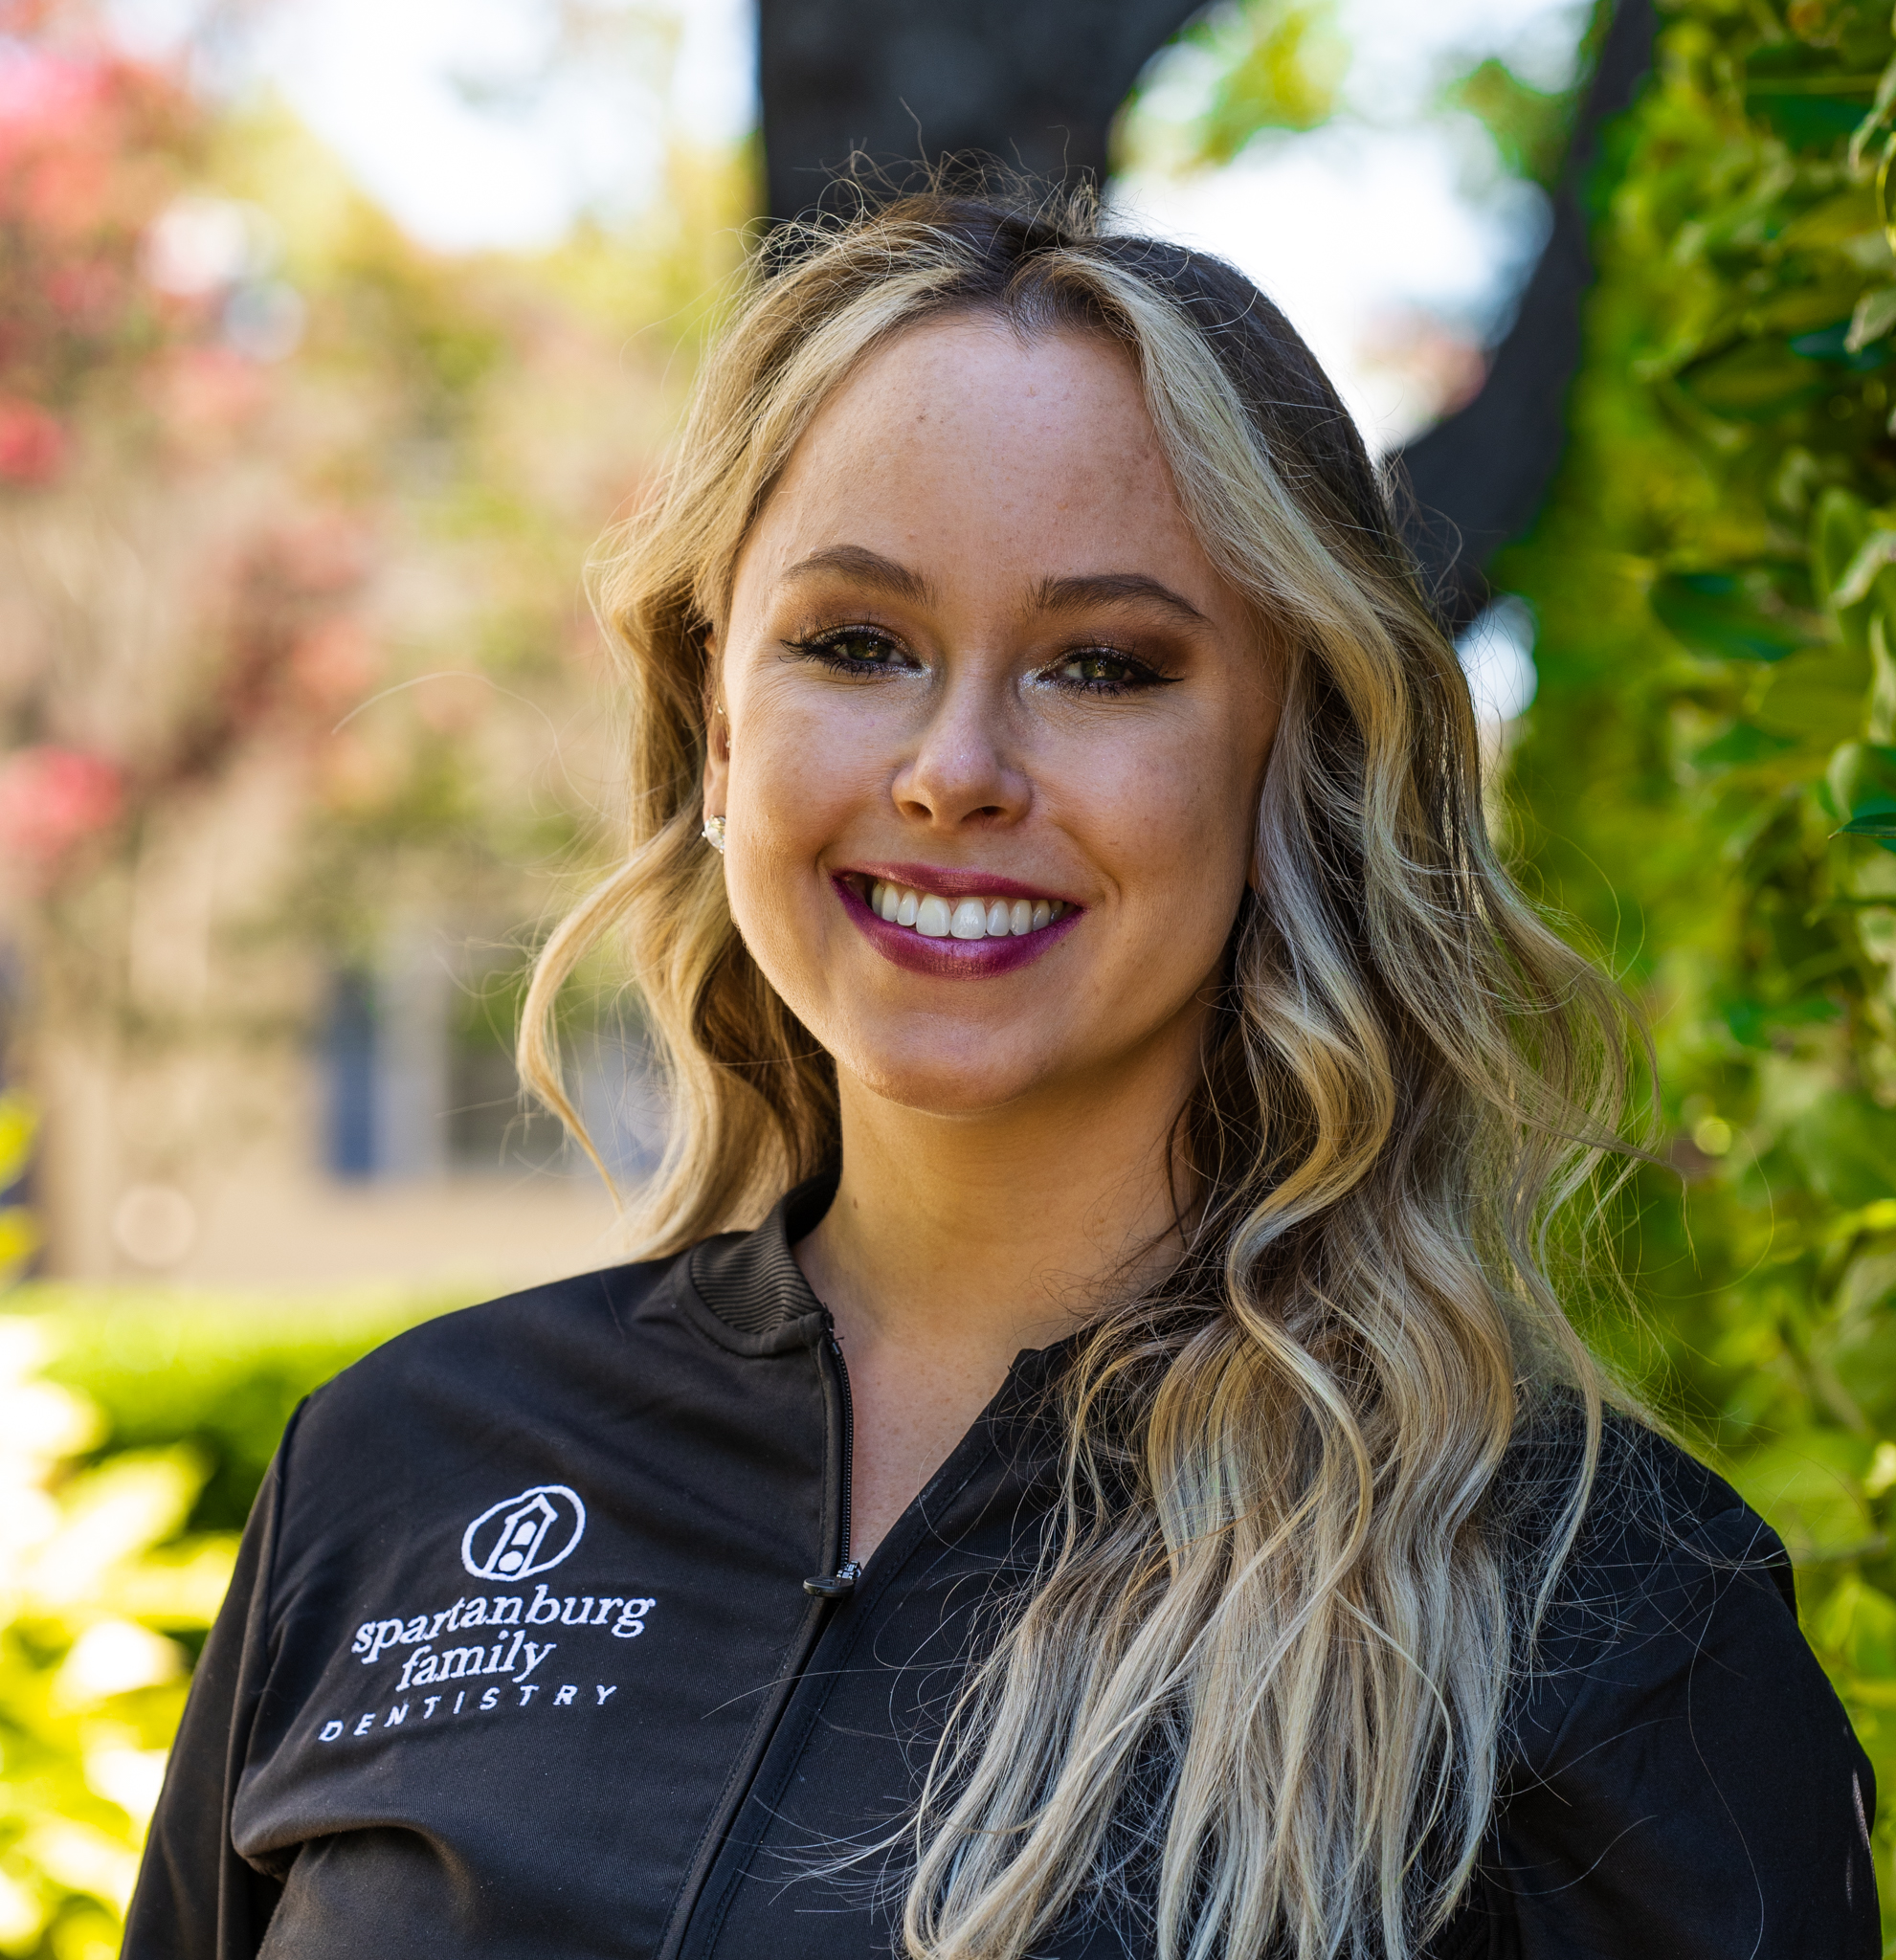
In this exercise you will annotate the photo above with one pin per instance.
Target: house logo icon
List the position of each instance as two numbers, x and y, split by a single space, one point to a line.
523 1535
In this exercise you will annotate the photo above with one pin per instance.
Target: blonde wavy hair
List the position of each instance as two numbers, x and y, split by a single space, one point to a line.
1266 1658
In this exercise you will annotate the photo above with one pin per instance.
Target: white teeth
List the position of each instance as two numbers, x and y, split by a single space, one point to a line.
936 917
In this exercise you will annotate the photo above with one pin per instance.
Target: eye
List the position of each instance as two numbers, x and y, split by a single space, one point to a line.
852 650
1103 670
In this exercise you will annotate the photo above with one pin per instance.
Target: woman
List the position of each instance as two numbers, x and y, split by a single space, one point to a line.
1137 1493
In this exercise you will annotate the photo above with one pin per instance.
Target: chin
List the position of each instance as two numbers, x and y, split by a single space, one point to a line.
945 1085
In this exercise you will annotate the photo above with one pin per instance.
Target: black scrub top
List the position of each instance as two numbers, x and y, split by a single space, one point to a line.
519 1660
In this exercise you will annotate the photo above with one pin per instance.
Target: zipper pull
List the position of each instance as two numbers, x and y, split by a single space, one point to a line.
838 1586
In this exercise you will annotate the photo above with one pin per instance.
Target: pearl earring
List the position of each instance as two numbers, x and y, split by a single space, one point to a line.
714 834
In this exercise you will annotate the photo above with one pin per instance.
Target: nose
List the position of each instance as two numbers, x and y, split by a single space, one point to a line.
964 768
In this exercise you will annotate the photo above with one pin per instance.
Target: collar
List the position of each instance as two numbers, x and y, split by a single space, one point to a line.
750 1287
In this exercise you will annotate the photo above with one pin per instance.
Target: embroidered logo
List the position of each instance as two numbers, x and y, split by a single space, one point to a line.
523 1535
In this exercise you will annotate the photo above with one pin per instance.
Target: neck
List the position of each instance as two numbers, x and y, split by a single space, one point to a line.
987 1234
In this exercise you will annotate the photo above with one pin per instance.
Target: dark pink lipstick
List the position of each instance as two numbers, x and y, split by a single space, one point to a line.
950 959
948 883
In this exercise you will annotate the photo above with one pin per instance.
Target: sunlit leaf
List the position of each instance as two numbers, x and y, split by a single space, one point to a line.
1862 781
1875 316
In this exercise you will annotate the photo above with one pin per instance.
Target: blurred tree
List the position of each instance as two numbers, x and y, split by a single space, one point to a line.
1034 83
292 514
1479 477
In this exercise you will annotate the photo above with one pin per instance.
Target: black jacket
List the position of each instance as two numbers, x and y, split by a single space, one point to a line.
519 1659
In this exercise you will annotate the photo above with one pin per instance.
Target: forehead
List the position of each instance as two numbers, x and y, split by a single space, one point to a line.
973 379
962 436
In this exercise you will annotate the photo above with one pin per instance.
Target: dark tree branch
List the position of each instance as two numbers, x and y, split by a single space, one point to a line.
1033 83
1480 477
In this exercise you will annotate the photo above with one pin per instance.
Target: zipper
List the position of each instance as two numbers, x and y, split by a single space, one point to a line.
682 1928
841 1583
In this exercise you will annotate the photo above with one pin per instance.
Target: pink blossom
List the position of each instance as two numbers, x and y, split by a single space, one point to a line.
33 444
334 664
53 798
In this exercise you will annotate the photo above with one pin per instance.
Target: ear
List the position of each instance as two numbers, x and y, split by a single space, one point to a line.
717 733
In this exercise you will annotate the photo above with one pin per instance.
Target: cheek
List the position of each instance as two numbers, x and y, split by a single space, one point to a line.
1175 829
790 791
789 773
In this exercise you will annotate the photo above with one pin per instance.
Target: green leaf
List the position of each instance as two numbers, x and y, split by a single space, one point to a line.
1838 527
1809 1486
1798 90
1753 1022
1879 824
1755 381
1742 743
1818 695
1859 1622
1713 614
1530 125
1874 557
1834 344
1875 316
1862 781
1846 1146
1804 122
1274 67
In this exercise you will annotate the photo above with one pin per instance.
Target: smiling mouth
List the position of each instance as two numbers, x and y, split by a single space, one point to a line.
930 916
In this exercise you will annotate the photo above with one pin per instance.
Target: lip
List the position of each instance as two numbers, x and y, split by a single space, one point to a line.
952 959
948 883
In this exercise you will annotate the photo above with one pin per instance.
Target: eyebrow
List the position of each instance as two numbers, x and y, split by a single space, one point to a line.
868 567
1112 588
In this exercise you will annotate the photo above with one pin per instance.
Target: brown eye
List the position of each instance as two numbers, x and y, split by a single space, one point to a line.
851 650
858 648
1102 671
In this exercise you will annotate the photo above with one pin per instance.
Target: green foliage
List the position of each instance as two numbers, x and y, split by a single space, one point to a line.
1709 783
19 1237
1278 69
133 1432
219 1374
1530 125
1249 66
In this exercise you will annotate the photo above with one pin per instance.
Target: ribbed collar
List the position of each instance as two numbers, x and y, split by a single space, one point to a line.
751 1285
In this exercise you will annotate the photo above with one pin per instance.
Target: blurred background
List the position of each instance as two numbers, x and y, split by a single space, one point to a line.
333 336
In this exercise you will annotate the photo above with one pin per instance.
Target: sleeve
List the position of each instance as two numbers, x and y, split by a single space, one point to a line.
1689 1786
196 1898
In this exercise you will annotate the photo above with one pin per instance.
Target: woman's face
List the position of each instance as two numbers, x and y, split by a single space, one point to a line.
978 675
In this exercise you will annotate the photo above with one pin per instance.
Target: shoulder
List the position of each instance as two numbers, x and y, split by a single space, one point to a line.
526 1353
1677 1760
1668 1562
1653 1510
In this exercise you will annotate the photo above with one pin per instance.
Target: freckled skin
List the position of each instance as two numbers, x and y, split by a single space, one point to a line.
1028 463
1004 1139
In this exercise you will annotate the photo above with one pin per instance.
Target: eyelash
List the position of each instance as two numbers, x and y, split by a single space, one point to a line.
821 647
